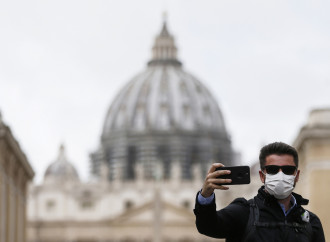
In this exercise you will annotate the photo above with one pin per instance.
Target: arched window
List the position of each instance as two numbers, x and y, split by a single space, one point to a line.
128 204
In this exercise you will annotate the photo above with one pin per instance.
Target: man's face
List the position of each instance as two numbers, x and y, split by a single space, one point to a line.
279 160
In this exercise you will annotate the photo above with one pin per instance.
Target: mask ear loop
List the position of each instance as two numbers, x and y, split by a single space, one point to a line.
264 175
294 181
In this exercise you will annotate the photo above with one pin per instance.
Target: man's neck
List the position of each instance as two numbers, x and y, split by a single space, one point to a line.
286 202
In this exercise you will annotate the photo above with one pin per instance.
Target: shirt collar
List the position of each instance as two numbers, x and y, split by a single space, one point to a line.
293 202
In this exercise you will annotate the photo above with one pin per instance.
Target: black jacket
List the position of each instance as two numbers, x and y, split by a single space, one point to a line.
232 222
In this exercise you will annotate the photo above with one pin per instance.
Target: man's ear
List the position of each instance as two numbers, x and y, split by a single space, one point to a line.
262 176
297 176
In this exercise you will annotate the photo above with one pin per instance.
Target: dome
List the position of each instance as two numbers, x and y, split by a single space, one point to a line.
164 97
61 170
164 115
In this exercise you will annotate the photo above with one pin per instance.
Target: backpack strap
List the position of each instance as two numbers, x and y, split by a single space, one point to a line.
253 223
253 217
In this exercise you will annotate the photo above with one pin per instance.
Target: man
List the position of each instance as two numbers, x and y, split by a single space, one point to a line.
275 214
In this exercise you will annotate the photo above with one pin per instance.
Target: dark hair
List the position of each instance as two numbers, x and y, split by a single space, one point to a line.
277 148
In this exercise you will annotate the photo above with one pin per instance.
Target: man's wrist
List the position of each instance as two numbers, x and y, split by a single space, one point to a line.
205 200
206 195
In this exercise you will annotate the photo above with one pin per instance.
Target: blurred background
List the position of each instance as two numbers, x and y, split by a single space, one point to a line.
120 108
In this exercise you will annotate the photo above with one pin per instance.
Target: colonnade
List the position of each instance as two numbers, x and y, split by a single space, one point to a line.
15 172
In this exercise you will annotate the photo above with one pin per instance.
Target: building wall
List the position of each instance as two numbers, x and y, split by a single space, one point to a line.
313 145
15 173
137 210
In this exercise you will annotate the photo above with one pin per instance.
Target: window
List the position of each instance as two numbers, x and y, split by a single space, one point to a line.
129 204
131 160
50 205
186 204
163 153
85 205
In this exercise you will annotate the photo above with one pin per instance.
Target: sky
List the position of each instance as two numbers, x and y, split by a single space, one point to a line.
62 63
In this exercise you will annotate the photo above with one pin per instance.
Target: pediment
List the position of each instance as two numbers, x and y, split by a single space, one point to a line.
150 212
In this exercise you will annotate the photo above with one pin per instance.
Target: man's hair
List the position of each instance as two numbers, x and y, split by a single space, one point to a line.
277 148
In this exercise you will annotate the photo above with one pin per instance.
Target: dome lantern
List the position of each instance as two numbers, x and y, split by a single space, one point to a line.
164 50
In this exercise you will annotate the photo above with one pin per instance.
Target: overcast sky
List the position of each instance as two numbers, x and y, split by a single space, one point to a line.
62 62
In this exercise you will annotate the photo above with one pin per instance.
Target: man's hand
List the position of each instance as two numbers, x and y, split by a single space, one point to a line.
211 180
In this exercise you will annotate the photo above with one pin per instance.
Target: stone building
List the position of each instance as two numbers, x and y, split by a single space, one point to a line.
15 174
313 145
159 137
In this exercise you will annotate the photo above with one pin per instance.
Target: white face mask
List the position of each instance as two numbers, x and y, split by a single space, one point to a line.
279 185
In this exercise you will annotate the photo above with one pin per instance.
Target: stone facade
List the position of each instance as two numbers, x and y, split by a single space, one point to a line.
313 145
15 173
67 210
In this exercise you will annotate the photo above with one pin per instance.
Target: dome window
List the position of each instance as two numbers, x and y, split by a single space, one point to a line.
184 92
164 121
139 121
120 118
207 116
198 88
187 118
163 92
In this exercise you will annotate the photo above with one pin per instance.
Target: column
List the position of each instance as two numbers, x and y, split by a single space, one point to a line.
2 204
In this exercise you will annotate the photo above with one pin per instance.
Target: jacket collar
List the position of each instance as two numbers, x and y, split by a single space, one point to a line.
270 198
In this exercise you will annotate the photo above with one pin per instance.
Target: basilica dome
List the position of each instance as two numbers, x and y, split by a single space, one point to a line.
61 169
163 115
164 97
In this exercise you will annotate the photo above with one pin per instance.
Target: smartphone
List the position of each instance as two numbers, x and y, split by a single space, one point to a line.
239 175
